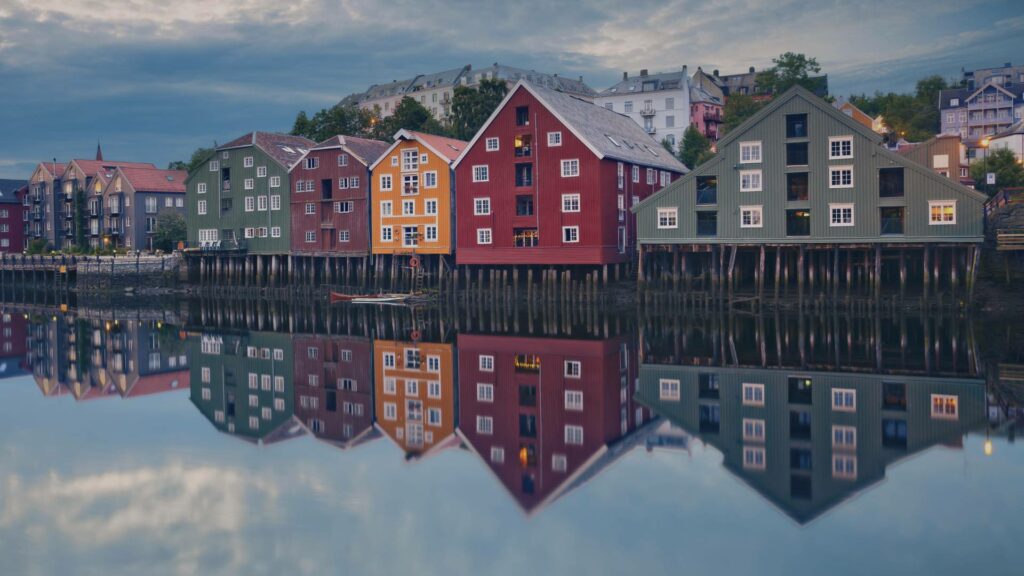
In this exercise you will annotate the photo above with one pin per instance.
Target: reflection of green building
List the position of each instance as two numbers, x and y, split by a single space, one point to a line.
809 440
242 383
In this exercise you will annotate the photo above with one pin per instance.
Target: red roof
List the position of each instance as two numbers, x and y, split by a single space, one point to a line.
54 168
449 147
157 383
92 167
154 180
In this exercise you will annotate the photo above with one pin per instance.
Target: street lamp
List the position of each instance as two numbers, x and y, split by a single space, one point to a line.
984 156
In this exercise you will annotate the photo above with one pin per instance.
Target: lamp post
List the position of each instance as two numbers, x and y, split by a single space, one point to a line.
984 157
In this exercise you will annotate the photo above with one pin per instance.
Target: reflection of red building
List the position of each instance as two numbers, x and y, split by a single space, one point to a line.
13 335
333 388
546 414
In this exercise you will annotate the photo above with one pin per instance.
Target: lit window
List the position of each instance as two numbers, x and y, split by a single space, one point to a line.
942 212
945 406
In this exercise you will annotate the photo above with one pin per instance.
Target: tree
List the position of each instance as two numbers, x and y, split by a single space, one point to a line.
472 107
738 107
170 229
914 117
1009 172
695 149
197 158
349 120
408 115
790 69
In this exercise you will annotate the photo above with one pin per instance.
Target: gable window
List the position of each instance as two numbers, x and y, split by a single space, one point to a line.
942 212
840 176
481 206
840 147
668 218
275 181
481 173
201 188
750 216
491 144
312 163
201 207
796 126
570 168
554 139
342 183
430 179
796 154
410 160
945 406
636 174
483 235
522 116
750 152
385 182
840 214
954 102
750 180
570 234
570 202
342 159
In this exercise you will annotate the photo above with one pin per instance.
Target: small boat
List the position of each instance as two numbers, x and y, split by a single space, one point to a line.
370 298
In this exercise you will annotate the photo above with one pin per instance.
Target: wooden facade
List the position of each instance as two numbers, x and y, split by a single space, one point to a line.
334 388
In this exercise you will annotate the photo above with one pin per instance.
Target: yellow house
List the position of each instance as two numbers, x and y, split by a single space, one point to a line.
412 195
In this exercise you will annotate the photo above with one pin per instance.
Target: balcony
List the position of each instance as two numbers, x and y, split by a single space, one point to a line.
979 104
327 223
712 118
650 129
647 111
410 189
525 237
527 363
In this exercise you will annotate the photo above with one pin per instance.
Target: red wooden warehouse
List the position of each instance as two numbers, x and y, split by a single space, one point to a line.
549 179
334 219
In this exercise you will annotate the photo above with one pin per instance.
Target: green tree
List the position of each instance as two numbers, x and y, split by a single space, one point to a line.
1009 172
738 108
170 229
695 149
408 115
472 107
197 158
349 120
790 69
914 117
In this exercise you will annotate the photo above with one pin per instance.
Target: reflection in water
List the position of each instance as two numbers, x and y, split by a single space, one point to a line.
807 411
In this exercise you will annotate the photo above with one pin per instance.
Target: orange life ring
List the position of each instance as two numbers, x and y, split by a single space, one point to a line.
415 335
414 262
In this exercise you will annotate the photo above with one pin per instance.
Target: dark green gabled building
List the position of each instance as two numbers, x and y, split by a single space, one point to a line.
238 200
804 189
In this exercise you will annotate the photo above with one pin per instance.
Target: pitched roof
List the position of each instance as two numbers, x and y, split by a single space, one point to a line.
93 167
8 188
945 96
512 75
155 180
447 148
363 149
608 134
661 81
1014 130
700 94
56 169
285 149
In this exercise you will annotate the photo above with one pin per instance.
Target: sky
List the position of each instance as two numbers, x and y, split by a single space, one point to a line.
154 79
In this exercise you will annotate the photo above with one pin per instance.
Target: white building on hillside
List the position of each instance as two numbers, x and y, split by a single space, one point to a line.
658 102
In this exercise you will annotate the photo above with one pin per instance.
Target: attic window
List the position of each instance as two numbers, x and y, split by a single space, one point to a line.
287 149
613 141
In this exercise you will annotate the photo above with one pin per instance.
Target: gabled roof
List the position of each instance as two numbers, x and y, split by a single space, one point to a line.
285 149
512 75
94 167
154 180
1015 91
1016 129
8 189
658 82
608 134
365 150
700 94
945 96
447 148
54 169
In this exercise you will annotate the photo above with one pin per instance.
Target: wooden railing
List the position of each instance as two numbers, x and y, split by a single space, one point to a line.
1008 240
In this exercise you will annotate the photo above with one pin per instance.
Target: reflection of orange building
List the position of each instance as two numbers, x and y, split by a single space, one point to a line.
414 394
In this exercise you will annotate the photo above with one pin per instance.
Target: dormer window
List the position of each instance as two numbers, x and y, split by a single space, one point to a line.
954 102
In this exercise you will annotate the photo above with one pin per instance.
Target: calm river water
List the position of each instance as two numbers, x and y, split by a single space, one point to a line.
220 437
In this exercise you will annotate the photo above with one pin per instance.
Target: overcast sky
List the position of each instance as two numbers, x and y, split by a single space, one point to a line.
154 79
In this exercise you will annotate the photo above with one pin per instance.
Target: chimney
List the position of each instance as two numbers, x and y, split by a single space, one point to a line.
751 69
625 75
685 70
715 72
643 72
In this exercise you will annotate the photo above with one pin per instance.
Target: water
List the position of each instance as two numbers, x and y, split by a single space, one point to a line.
224 437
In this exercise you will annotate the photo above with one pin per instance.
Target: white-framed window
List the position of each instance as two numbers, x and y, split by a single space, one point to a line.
954 102
310 236
484 425
430 207
750 152
844 437
753 394
247 161
491 144
342 159
394 160
753 430
275 181
844 399
201 207
559 463
570 202
385 234
385 208
430 233
840 214
215 165
751 216
574 400
485 392
408 207
430 179
483 235
497 455
433 416
481 206
201 188
651 177
389 359
343 183
390 411
410 160
941 212
310 208
353 181
945 406
481 173
840 147
312 163
754 458
574 435
412 388
668 218
750 181
250 204
275 202
570 168
385 182
636 174
275 232
840 176
570 234
572 368
390 386
486 363
554 139
668 389
261 203
844 466
344 236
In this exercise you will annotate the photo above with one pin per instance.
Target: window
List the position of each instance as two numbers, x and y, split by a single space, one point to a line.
310 208
668 218
844 437
670 103
798 222
572 368
430 233
844 466
750 216
390 411
486 363
650 176
942 212
430 207
408 207
750 180
310 236
394 159
410 160
411 184
412 388
840 176
433 417
353 182
385 208
484 425
840 147
275 181
753 430
485 392
201 188
250 204
385 182
797 186
668 389
410 235
707 223
342 183
497 455
574 435
385 234
570 168
491 144
214 166
390 386
554 139
636 174
890 182
796 154
481 173
344 236
522 116
312 163
247 162
559 463
796 126
844 399
840 214
201 207
754 458
954 102
753 394
483 235
481 206
945 406
275 202
570 234
574 400
627 106
430 179
344 207
750 152
261 203
570 202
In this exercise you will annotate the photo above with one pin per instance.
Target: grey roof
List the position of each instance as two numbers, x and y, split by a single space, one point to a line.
437 79
365 150
946 95
8 188
1017 128
284 148
512 75
648 83
699 94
